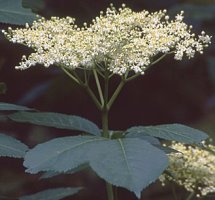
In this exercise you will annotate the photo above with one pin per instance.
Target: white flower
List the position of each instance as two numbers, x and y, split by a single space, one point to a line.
193 168
119 40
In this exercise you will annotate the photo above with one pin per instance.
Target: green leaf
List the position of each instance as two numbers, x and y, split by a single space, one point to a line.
197 12
51 174
173 132
35 6
12 12
150 139
11 147
12 107
131 163
57 120
52 194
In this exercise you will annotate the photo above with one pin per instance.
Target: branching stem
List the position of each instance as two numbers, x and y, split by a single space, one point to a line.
98 87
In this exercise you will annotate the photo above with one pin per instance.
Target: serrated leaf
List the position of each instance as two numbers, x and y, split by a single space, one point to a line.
35 6
131 163
173 132
11 147
165 149
51 174
12 12
148 138
12 107
57 120
52 194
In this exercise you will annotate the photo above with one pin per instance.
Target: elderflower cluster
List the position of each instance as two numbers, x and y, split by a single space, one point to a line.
193 168
119 40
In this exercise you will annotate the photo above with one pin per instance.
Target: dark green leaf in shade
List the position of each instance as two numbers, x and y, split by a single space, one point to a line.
57 120
35 6
11 147
173 132
12 107
131 163
52 194
3 88
12 12
192 11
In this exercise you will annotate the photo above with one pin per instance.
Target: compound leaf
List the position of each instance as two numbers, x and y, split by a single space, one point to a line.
131 163
174 132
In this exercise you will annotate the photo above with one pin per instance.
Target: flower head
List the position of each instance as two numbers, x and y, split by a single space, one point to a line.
119 40
193 168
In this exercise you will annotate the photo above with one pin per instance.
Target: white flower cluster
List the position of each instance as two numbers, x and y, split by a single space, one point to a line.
119 40
192 168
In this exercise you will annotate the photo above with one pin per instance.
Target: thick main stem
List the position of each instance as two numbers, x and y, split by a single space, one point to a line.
105 134
105 110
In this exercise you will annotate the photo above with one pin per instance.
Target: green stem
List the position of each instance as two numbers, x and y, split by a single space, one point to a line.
174 193
153 63
92 95
105 122
70 75
98 87
191 195
109 189
156 61
105 110
116 93
132 77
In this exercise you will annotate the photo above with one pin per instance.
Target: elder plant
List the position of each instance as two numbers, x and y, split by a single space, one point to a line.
119 42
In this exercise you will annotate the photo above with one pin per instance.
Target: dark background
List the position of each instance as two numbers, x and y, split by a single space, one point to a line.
169 92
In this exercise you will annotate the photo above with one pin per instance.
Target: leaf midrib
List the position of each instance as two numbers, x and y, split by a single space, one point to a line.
125 157
14 12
